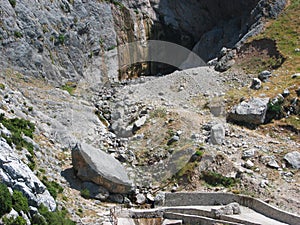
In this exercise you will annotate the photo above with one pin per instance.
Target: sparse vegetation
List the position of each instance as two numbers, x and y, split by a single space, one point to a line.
19 127
159 113
293 121
216 179
85 193
69 87
53 218
61 39
257 64
53 187
18 34
2 86
185 174
116 3
13 3
286 32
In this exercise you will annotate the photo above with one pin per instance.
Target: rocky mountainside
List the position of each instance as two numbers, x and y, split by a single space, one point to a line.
109 132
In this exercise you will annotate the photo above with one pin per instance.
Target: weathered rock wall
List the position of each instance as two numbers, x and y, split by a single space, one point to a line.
76 40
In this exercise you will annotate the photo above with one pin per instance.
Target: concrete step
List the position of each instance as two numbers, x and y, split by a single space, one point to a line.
194 219
172 222
247 216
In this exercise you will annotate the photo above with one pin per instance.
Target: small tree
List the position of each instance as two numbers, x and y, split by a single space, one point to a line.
19 220
20 203
38 220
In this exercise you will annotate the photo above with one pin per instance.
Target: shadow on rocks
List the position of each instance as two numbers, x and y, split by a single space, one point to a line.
70 177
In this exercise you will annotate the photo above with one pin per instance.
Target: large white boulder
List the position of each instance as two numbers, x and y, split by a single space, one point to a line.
92 164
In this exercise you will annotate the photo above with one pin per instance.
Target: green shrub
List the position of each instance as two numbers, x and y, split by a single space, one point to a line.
111 48
2 86
69 87
18 128
85 193
61 39
20 202
216 179
185 174
55 218
274 110
5 200
13 3
18 34
31 163
199 153
38 220
19 220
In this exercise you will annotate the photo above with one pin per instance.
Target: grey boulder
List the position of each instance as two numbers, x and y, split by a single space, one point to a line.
225 60
140 199
91 164
230 209
217 134
293 158
264 75
256 84
250 112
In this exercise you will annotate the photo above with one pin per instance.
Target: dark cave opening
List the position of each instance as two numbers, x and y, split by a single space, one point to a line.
202 26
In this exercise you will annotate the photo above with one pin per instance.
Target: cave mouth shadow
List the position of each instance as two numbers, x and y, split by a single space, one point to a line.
204 27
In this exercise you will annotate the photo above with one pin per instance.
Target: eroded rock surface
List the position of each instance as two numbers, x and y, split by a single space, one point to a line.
17 175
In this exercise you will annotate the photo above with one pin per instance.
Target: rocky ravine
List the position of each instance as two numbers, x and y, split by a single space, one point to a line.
174 103
151 125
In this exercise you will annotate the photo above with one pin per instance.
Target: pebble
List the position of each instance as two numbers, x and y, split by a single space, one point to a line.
264 183
249 164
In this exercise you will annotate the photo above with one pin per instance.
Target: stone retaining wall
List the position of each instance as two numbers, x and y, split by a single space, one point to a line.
206 199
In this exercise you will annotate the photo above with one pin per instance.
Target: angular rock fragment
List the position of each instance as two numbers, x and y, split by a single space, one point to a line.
293 158
250 112
217 134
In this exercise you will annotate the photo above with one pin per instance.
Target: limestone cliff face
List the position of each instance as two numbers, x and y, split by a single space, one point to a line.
76 40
